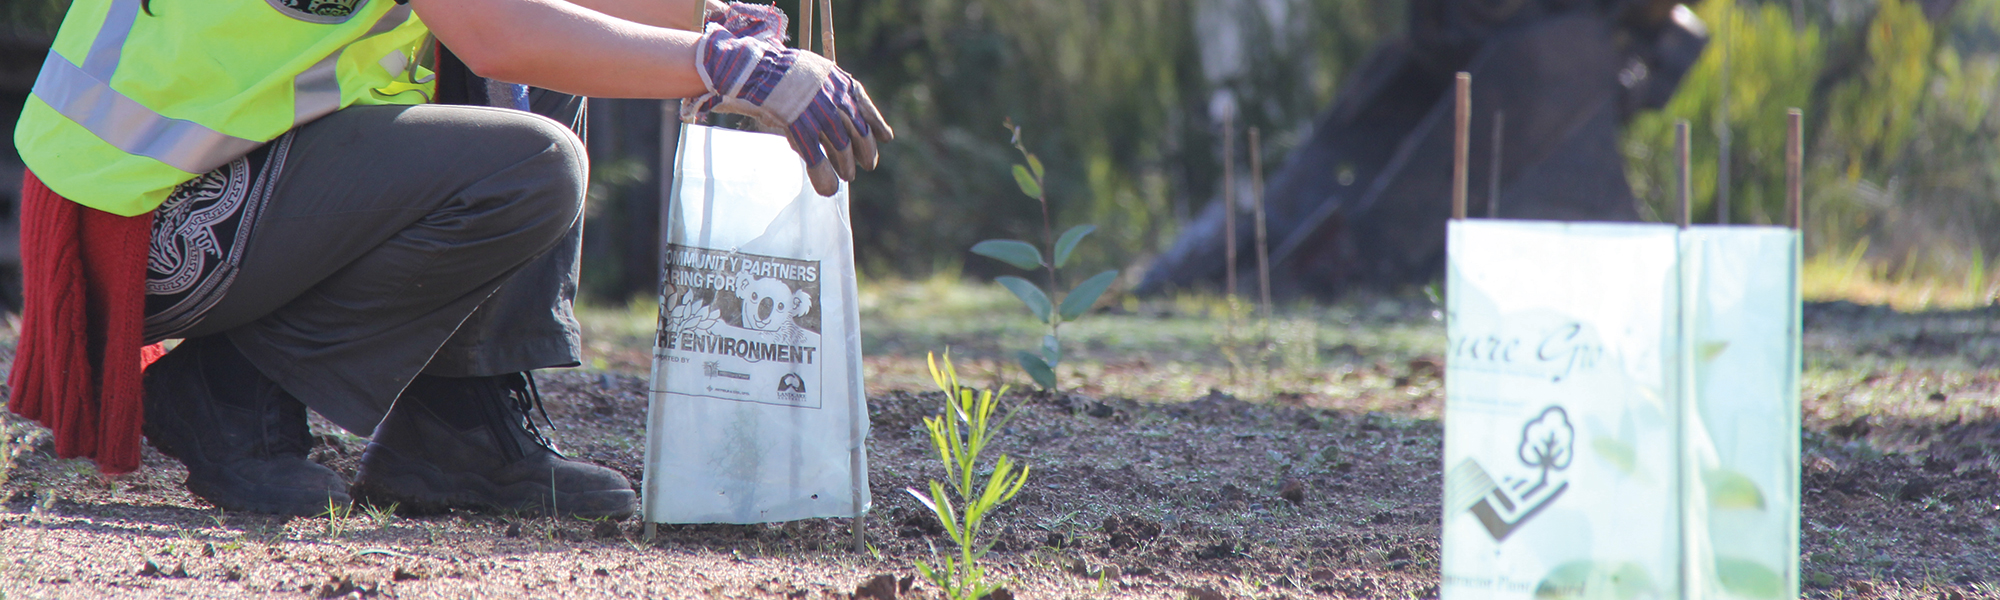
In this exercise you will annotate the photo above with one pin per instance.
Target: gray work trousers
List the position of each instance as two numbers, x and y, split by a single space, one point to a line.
412 239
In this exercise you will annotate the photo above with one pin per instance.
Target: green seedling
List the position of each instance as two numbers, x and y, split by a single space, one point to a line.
960 434
1041 363
335 513
382 515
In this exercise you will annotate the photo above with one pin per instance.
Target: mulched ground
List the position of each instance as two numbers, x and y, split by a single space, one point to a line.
1204 496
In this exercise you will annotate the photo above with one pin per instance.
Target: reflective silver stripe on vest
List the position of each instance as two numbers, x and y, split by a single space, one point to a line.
110 43
130 126
84 95
316 92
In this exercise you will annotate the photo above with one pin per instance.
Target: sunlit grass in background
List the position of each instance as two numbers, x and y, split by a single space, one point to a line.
1849 276
1375 353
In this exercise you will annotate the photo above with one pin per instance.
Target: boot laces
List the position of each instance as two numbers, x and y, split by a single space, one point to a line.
526 400
284 425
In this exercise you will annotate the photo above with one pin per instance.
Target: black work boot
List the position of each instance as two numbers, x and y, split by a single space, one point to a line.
243 438
471 442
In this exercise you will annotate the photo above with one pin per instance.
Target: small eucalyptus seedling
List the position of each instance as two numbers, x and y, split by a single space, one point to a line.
1041 363
959 434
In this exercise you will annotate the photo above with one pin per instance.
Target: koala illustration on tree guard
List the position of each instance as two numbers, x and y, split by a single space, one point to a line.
769 305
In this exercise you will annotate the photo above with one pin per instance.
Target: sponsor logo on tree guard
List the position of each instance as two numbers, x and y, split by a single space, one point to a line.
751 323
1548 444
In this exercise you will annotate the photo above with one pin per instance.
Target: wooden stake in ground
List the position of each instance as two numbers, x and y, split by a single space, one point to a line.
1461 143
1229 205
805 38
1263 256
826 29
1722 133
1685 194
1263 242
857 457
1493 170
1794 166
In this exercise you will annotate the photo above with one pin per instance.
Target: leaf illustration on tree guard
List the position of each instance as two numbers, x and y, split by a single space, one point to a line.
1014 252
1747 578
1732 490
1548 443
690 312
1709 350
1580 579
1619 454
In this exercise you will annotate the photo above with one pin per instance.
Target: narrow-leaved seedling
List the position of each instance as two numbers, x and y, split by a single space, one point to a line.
960 434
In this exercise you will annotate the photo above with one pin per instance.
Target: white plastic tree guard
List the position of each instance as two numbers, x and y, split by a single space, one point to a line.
757 407
1622 411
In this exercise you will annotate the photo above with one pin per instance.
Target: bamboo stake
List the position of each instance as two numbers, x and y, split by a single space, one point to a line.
1263 243
805 39
1794 168
1493 173
1263 257
1229 205
1723 135
856 458
1685 193
826 28
1461 144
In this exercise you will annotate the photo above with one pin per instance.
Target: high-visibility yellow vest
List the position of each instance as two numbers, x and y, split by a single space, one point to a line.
130 105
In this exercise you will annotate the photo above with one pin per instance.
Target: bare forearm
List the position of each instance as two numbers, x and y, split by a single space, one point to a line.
671 14
565 47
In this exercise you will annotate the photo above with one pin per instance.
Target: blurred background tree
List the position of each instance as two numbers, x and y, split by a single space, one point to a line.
32 15
1118 94
1903 133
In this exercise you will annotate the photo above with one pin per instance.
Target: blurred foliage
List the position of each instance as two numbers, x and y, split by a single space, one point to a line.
1903 119
1902 132
1773 67
1120 90
32 15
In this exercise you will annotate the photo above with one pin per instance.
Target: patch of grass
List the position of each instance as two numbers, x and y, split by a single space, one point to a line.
382 516
1350 355
17 438
336 515
1850 275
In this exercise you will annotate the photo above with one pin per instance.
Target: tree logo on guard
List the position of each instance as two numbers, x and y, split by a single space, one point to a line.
741 327
1548 446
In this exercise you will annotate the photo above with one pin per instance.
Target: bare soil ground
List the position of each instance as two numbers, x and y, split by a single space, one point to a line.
1191 461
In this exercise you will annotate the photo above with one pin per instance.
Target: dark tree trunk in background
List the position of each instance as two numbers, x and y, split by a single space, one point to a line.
21 55
1363 201
621 235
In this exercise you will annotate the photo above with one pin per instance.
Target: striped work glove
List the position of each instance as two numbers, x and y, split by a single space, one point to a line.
825 113
762 21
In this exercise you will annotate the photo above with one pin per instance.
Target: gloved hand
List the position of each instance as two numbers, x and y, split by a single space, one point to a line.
744 20
825 113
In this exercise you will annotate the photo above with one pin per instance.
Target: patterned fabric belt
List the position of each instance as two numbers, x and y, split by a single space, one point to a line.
199 235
